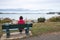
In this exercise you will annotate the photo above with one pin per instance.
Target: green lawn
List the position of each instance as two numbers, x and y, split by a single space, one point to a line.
42 28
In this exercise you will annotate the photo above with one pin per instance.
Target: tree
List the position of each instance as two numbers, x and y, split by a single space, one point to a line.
41 19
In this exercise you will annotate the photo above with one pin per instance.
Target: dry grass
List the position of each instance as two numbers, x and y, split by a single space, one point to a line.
47 27
0 30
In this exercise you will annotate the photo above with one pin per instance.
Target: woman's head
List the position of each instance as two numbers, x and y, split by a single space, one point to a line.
21 17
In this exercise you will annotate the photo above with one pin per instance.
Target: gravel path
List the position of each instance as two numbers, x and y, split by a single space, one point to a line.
50 36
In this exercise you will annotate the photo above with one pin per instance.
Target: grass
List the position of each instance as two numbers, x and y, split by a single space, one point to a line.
0 31
42 28
48 27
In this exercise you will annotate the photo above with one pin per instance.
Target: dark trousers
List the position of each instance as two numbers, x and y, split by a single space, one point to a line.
20 29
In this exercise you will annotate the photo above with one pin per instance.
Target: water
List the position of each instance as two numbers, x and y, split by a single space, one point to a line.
28 16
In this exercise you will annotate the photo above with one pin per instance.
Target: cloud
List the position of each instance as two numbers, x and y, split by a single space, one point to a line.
30 4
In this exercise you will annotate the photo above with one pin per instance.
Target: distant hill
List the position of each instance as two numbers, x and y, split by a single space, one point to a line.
14 10
26 11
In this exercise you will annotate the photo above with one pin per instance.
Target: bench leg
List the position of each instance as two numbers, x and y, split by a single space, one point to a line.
27 31
7 33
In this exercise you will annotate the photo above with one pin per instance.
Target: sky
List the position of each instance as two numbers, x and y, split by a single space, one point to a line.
39 5
31 4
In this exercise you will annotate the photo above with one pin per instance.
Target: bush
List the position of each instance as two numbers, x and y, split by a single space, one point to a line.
41 19
6 20
54 19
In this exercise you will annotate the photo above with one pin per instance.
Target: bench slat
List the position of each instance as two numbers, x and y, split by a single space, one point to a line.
10 26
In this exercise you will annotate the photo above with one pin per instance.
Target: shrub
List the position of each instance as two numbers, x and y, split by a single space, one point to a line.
6 20
54 19
41 19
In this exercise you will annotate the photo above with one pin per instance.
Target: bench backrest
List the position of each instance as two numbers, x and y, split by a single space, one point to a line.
12 26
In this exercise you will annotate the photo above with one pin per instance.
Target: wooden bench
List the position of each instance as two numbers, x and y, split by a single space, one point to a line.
13 26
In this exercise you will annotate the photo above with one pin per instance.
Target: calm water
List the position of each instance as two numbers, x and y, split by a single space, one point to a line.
28 16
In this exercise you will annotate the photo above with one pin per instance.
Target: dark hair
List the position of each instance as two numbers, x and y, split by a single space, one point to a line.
21 17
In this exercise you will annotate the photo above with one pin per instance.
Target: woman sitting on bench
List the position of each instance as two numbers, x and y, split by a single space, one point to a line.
21 21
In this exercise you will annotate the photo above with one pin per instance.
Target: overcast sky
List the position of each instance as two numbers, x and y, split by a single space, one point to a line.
30 4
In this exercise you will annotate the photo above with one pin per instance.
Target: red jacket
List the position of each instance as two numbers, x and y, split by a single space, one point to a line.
21 21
